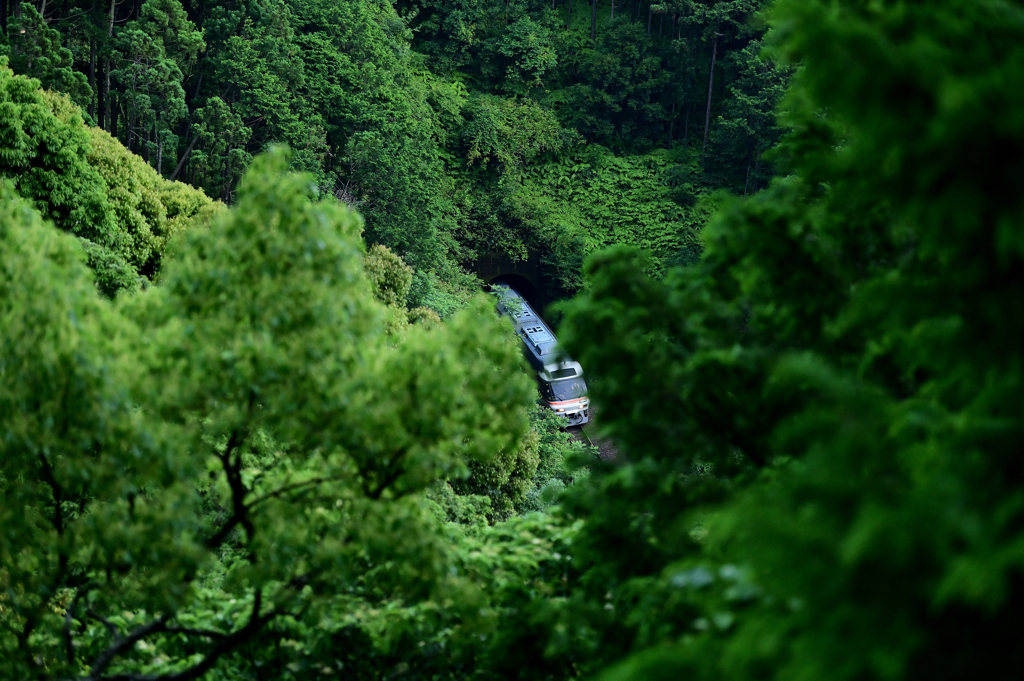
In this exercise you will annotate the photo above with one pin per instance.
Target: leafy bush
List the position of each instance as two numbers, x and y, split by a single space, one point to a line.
90 185
389 276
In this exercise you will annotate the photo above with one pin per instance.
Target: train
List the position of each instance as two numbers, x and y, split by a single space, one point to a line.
559 377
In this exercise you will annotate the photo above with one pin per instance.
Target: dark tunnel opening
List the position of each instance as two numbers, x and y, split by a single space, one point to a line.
524 287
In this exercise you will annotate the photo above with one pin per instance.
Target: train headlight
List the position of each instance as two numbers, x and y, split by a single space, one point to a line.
561 410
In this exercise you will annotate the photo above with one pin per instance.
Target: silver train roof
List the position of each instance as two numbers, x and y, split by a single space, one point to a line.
530 327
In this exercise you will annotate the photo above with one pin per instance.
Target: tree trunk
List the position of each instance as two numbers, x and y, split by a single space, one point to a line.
650 16
101 105
106 73
92 78
711 80
613 9
225 194
112 117
3 16
661 24
106 98
568 14
593 20
686 127
184 157
159 150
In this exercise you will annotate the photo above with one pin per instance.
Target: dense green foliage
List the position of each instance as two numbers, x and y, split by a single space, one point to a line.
296 456
245 407
456 130
822 420
90 185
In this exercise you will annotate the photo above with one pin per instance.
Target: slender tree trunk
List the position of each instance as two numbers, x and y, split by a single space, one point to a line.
593 20
226 191
568 14
106 72
613 9
106 97
184 157
686 127
650 16
3 16
159 150
92 78
661 24
711 80
101 104
112 118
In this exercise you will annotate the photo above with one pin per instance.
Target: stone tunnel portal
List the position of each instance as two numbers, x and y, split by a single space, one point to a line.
522 275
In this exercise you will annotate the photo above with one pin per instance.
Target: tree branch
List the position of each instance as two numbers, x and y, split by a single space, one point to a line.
225 645
233 473
209 633
105 622
238 507
291 488
69 615
120 644
184 157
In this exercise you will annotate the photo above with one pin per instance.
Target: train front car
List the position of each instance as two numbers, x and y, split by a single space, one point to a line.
559 377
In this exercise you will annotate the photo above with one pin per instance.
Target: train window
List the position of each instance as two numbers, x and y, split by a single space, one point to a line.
546 392
568 390
563 373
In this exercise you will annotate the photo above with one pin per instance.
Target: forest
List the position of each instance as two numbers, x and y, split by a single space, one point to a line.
258 421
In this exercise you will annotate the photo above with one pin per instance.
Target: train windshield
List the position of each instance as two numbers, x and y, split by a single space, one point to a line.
560 391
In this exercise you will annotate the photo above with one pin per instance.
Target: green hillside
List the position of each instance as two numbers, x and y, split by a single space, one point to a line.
258 421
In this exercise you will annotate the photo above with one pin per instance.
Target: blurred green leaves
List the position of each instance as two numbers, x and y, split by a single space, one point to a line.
824 400
241 427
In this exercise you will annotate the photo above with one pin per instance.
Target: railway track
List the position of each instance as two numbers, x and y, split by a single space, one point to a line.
605 449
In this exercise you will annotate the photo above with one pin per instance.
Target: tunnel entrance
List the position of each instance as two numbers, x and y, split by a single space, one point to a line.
522 275
521 284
